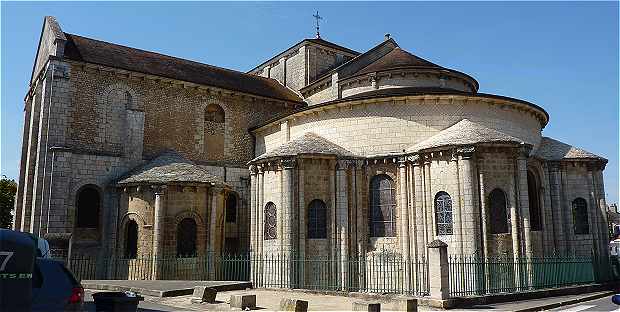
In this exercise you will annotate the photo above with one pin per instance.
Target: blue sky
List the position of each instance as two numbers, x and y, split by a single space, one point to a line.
562 56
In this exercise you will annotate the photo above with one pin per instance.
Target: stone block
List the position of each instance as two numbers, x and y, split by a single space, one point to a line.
407 305
366 306
243 301
296 305
203 294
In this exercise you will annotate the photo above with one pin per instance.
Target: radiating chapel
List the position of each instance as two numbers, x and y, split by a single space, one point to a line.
318 151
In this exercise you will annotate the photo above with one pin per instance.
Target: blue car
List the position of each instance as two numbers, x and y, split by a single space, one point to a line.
54 288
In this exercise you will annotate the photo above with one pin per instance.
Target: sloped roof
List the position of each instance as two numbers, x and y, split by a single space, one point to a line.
168 167
93 51
550 149
397 58
309 143
464 132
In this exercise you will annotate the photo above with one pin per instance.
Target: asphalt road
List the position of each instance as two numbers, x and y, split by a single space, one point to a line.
598 305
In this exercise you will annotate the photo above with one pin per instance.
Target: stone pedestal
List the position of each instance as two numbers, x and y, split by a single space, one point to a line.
243 301
366 306
438 270
203 294
296 305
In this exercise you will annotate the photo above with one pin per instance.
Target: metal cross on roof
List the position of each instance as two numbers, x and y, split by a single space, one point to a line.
317 17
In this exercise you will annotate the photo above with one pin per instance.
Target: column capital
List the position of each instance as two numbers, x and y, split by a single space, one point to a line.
253 169
466 152
159 189
288 163
594 166
524 150
554 166
344 164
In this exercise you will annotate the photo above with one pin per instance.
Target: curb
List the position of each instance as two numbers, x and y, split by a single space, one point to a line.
565 303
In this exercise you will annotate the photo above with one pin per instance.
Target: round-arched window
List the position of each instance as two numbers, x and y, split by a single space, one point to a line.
443 214
131 240
498 214
580 216
382 207
231 208
271 221
317 219
186 238
88 206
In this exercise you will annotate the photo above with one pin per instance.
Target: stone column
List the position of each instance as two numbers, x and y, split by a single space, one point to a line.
524 203
158 229
361 221
332 215
342 208
593 213
260 224
514 223
289 219
555 185
301 226
602 204
429 209
420 212
471 237
483 210
403 204
215 226
253 223
549 229
438 270
566 207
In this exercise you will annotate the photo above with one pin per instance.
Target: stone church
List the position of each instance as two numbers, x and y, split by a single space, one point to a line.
319 151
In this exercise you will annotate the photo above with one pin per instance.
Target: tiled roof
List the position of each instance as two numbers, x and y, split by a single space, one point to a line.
308 144
108 54
550 149
168 167
464 132
397 58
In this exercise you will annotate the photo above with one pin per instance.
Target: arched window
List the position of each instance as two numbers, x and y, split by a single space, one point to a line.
317 219
534 201
128 100
214 131
497 209
186 238
580 216
131 240
88 203
382 207
231 208
443 213
271 221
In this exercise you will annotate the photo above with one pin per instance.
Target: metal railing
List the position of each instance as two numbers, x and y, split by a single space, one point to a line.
473 275
379 273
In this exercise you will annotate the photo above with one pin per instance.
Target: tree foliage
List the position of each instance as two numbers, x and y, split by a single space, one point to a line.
8 188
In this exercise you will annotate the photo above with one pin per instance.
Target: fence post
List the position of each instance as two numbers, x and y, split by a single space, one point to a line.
438 270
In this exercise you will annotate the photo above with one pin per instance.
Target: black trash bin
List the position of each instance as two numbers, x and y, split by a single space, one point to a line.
116 301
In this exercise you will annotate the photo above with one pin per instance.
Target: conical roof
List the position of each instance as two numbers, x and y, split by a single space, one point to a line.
170 166
307 144
464 132
395 59
550 149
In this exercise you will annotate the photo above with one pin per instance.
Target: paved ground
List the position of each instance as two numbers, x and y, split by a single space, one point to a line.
543 303
162 288
145 306
599 305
